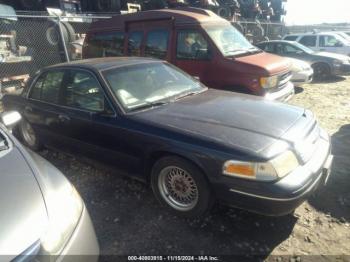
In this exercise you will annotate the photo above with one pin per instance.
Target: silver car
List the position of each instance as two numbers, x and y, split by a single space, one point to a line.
42 215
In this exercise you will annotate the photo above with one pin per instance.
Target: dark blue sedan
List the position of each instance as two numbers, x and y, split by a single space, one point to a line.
194 145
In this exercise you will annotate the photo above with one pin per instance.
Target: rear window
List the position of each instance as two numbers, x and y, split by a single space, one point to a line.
157 43
291 38
47 87
308 40
106 44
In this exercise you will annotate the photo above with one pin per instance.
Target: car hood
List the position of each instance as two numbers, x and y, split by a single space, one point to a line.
269 63
23 213
332 55
231 119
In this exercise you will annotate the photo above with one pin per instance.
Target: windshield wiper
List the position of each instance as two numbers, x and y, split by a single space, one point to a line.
148 105
250 50
191 93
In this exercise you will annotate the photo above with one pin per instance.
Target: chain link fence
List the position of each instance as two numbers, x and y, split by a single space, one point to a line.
31 42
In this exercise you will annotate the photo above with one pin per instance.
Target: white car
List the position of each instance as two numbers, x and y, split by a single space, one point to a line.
324 42
302 72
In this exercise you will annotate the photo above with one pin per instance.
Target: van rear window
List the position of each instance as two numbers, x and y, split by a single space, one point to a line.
106 44
157 43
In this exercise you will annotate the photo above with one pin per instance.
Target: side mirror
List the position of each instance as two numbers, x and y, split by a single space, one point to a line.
10 119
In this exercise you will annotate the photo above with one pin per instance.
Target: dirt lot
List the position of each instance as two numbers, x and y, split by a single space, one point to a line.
129 221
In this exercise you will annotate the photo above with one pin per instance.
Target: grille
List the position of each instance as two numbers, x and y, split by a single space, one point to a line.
284 79
309 144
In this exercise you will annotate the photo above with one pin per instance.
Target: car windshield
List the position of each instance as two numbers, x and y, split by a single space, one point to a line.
229 40
303 48
150 84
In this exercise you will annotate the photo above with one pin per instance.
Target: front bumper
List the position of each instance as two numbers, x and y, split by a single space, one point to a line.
83 245
281 197
302 77
342 70
283 94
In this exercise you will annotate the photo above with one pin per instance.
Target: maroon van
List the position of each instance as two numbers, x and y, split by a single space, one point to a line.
197 41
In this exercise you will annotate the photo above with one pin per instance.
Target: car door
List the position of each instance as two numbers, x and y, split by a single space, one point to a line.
291 51
42 109
331 44
90 122
309 41
193 53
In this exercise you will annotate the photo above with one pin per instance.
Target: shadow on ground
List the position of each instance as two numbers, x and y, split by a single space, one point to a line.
334 199
330 80
128 219
298 89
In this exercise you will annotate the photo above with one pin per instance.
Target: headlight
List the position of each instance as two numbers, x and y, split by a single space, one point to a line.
269 82
276 168
296 68
65 208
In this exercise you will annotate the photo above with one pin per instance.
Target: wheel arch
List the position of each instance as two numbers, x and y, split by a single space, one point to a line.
158 154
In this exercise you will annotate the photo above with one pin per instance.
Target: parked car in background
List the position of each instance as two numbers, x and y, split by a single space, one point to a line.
197 41
323 63
302 72
342 34
325 42
192 144
41 212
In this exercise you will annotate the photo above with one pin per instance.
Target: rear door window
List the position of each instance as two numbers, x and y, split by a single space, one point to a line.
329 41
157 43
47 87
134 43
291 38
269 47
106 44
308 40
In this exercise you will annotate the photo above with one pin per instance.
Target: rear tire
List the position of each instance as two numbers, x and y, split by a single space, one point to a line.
28 136
181 187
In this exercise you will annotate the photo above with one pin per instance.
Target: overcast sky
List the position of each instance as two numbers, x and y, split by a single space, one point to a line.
317 11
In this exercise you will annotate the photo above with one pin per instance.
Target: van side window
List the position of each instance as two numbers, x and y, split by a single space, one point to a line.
157 43
308 40
134 43
106 44
191 45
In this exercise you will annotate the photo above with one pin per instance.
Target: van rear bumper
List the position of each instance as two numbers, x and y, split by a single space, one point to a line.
283 94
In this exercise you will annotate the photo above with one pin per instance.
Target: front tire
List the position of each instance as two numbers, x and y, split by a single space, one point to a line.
181 186
321 71
28 136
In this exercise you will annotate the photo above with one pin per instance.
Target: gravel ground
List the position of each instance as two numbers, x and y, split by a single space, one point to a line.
129 221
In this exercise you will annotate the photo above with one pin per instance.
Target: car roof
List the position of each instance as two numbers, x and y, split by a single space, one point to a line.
187 15
316 33
104 63
278 41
